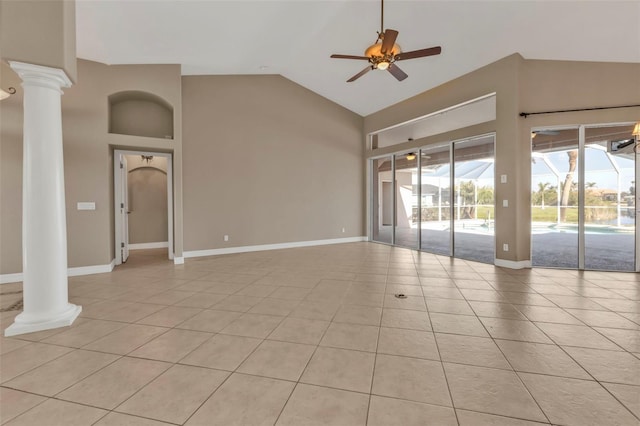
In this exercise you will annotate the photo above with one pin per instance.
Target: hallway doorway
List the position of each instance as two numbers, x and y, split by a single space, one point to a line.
143 203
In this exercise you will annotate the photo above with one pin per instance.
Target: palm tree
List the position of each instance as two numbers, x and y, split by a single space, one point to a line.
568 181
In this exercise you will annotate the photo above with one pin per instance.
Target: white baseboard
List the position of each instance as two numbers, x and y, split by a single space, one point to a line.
90 270
71 272
263 247
142 246
10 278
511 264
100 269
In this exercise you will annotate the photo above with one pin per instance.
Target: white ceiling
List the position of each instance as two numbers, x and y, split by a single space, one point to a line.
295 38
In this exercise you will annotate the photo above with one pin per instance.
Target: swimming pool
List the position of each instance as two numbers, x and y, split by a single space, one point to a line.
572 228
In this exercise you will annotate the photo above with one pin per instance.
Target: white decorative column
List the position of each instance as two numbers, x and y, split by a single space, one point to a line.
44 226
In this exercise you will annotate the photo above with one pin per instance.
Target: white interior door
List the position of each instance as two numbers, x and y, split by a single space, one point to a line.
124 209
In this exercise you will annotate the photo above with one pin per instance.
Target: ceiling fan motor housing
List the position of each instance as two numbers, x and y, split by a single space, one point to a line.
375 55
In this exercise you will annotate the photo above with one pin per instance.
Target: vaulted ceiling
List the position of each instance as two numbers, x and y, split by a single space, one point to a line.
296 38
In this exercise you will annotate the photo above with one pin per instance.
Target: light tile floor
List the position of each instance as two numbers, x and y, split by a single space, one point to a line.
315 336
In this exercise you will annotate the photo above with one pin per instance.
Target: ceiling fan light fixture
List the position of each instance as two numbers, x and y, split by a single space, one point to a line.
383 65
411 156
636 130
376 50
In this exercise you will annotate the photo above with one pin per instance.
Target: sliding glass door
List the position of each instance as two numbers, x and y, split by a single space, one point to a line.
609 199
473 205
435 209
555 167
382 200
406 193
414 206
583 200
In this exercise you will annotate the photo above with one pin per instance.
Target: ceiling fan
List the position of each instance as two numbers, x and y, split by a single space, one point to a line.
384 53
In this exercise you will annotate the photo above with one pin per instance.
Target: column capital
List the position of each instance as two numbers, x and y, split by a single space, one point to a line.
38 75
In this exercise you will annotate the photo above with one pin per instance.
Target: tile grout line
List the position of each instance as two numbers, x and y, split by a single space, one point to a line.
308 362
512 369
375 357
595 379
444 371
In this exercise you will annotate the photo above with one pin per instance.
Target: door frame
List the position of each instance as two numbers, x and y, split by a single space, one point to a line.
123 191
117 199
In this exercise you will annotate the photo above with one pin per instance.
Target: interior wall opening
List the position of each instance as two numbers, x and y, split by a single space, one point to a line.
147 193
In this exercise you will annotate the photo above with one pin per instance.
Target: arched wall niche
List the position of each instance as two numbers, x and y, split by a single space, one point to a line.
138 113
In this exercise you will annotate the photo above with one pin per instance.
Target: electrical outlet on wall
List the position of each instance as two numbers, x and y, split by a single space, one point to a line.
226 238
343 230
505 247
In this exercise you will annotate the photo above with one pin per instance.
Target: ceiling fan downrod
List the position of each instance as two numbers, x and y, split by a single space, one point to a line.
381 18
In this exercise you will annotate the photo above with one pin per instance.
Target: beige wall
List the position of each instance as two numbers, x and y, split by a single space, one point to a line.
88 158
41 32
85 121
10 174
268 161
140 117
147 190
521 85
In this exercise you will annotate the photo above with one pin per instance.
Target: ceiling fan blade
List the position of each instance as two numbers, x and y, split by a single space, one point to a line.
335 56
360 74
397 72
388 41
418 53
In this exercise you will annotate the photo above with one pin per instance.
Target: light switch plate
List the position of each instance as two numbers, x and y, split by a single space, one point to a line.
503 178
505 203
86 205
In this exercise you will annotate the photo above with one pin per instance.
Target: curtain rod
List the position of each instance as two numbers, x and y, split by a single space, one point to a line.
526 114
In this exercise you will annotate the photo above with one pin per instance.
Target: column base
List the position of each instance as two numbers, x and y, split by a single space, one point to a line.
512 264
61 320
